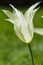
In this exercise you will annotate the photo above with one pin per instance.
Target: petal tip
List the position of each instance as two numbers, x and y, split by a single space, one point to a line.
41 16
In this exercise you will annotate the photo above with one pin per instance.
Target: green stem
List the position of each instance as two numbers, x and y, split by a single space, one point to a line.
31 54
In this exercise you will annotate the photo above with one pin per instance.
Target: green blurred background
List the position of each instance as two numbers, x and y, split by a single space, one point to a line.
12 50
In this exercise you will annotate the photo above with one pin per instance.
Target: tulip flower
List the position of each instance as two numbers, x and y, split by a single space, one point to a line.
23 24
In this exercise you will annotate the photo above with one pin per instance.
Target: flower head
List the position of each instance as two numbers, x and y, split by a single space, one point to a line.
23 24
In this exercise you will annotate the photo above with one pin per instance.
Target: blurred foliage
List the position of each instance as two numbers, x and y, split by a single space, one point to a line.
12 50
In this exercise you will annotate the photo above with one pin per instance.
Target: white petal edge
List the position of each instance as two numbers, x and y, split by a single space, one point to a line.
38 31
16 11
31 11
9 14
19 34
12 21
41 16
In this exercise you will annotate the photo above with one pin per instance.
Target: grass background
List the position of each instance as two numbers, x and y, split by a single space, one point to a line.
12 50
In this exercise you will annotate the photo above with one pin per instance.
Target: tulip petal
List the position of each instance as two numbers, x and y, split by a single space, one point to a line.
41 16
38 31
34 11
12 18
12 21
17 30
9 14
16 11
30 12
27 38
18 33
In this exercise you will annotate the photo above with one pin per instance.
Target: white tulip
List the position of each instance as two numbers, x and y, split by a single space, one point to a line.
23 24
